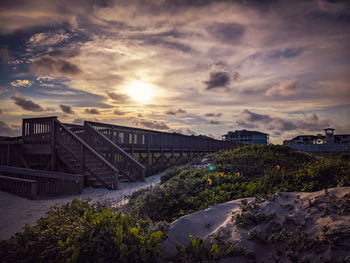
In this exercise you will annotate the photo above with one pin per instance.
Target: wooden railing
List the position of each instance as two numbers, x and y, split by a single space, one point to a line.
18 186
10 153
133 138
126 164
77 129
37 130
83 157
47 183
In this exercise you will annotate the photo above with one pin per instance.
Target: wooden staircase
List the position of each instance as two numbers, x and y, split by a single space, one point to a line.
104 154
129 168
81 158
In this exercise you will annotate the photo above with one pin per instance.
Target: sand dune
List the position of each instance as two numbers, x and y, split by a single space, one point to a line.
313 226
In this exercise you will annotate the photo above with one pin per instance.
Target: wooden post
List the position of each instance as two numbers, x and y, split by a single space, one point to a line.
148 146
172 149
162 150
132 143
33 190
115 183
53 144
8 155
182 146
31 130
23 130
83 160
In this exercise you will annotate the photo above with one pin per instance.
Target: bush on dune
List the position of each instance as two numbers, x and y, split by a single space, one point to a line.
246 171
81 232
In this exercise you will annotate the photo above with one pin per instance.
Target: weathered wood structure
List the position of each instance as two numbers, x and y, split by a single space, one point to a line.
103 154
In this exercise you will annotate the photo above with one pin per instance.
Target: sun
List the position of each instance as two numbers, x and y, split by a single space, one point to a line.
140 91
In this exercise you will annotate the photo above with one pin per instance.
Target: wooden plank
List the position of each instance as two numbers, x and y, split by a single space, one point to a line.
35 149
22 187
48 174
53 145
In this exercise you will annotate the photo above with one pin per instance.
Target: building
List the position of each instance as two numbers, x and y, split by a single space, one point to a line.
329 142
247 137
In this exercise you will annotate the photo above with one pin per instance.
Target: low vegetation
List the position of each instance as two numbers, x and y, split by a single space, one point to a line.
199 250
82 232
243 172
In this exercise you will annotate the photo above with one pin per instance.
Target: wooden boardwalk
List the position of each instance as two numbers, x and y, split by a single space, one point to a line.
104 154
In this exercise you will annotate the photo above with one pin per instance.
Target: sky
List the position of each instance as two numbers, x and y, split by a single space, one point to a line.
195 67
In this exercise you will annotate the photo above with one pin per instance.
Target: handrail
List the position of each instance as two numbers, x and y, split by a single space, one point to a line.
41 118
123 153
135 129
155 132
87 146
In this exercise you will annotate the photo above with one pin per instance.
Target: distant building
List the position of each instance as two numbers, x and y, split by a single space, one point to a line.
320 143
247 137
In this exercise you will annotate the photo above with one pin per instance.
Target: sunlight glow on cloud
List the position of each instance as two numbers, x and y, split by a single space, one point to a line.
21 83
140 91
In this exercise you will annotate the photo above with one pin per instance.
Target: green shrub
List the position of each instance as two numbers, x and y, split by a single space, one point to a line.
170 173
188 190
199 250
81 232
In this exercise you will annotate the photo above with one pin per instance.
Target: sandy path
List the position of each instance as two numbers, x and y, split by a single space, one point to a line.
16 211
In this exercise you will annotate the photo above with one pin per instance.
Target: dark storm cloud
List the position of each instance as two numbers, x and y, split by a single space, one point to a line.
4 55
162 39
7 130
281 125
0 111
337 11
64 52
214 122
171 45
183 130
286 53
66 109
26 104
174 112
236 76
64 6
78 121
213 114
119 112
118 97
171 6
227 32
170 112
48 64
218 79
158 125
92 111
310 122
252 117
246 125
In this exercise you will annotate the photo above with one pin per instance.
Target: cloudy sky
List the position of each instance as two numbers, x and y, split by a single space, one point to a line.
203 67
